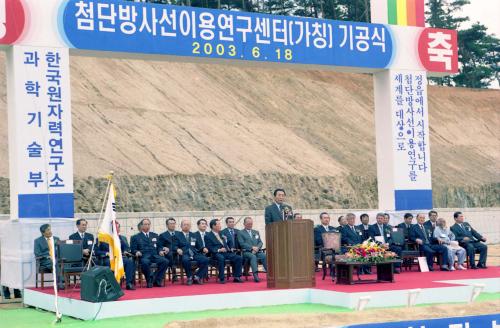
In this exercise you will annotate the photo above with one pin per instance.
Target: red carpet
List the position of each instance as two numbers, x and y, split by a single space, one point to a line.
405 280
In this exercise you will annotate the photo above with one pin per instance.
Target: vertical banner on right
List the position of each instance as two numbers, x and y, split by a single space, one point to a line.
403 153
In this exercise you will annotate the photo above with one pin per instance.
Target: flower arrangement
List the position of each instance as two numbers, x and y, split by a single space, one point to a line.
369 251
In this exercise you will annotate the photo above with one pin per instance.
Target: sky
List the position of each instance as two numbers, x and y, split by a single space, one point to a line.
486 12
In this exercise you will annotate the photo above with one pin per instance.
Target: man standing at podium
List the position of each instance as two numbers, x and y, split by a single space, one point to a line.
278 211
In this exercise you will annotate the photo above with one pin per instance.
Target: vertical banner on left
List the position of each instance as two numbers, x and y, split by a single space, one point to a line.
40 138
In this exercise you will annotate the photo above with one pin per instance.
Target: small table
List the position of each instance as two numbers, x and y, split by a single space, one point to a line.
344 271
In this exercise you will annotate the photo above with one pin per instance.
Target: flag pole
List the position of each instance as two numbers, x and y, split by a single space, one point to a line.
99 221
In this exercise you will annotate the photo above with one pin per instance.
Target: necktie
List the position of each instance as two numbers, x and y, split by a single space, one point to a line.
51 249
187 236
425 234
81 236
147 235
232 236
353 230
203 238
250 233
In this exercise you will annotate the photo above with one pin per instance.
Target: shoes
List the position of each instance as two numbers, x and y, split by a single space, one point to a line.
317 270
397 271
461 267
157 284
474 267
444 268
61 287
175 278
189 281
256 277
238 280
481 266
452 268
149 285
130 287
197 280
222 282
431 269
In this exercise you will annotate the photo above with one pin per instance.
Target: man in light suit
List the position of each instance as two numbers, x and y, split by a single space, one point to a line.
278 211
82 235
471 240
145 246
251 245
44 252
218 247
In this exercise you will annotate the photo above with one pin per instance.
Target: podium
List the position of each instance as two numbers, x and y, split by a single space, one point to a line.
290 254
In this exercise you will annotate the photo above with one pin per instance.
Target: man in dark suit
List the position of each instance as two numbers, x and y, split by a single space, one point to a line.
251 245
87 239
186 248
128 263
406 225
218 247
144 245
387 219
471 240
351 235
431 223
45 249
382 232
364 226
168 243
200 237
231 234
325 226
428 244
278 211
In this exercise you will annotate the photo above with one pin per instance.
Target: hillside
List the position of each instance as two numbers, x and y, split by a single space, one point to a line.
197 136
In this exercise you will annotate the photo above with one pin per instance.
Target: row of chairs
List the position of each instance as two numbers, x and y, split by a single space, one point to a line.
71 264
409 255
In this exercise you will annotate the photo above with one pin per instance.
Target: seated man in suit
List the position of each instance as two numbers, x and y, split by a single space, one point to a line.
428 244
325 226
471 240
45 248
128 263
167 242
251 245
342 222
218 247
200 236
87 239
297 216
144 245
278 211
431 223
351 235
406 225
381 232
231 234
188 248
387 219
364 226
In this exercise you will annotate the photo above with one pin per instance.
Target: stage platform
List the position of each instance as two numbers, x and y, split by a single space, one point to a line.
436 287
